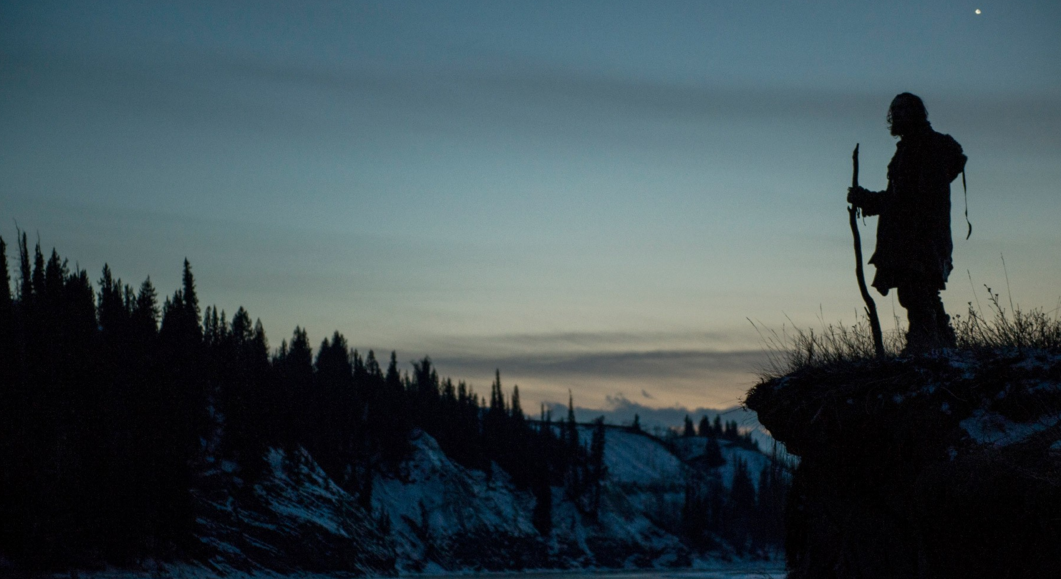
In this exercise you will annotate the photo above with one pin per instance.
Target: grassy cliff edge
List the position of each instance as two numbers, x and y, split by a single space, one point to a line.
944 464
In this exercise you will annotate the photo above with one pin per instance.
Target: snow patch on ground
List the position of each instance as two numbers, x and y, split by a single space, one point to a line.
434 498
993 429
637 458
313 500
693 446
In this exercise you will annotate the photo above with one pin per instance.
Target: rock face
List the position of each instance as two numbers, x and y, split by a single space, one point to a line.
936 466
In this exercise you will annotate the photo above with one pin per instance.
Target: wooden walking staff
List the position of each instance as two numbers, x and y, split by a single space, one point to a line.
871 307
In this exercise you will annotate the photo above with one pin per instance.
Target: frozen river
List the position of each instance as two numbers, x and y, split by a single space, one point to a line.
730 571
722 571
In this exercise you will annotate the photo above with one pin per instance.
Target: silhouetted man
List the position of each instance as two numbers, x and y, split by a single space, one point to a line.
913 233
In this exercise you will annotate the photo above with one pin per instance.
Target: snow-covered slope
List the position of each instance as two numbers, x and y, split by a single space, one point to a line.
690 448
433 515
294 519
636 458
444 514
447 517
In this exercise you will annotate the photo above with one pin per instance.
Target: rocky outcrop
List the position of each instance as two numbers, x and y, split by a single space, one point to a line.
946 465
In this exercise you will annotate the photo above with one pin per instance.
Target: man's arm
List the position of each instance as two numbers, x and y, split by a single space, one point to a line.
869 202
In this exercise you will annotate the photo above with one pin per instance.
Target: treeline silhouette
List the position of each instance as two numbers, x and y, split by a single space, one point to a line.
113 406
747 516
729 431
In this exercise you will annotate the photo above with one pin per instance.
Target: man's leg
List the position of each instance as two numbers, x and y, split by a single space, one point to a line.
921 315
929 323
944 331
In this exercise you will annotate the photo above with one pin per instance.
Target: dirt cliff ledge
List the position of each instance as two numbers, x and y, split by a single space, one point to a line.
945 465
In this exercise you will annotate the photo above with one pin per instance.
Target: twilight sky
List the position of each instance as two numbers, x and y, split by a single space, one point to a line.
587 195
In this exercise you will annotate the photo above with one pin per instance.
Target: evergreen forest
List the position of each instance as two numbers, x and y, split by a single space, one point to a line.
114 400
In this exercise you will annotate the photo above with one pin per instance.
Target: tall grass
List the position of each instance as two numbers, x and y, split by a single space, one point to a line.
837 345
1034 329
794 348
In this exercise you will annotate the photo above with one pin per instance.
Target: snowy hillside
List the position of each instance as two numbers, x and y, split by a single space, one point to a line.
436 507
445 516
295 519
442 513
433 515
693 447
636 459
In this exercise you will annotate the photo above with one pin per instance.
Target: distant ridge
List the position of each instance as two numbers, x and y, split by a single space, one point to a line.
622 410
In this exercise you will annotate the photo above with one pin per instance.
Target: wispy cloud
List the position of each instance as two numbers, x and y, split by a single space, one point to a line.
294 99
690 377
297 97
629 365
590 343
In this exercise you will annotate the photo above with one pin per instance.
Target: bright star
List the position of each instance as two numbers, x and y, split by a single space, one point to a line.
977 10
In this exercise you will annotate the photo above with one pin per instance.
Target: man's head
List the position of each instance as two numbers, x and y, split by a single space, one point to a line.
907 114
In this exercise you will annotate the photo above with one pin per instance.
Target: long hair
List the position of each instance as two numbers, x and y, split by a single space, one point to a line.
914 115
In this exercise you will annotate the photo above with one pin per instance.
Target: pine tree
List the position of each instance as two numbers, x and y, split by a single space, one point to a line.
695 513
596 471
335 417
427 395
542 516
8 346
713 452
5 280
146 312
182 419
704 428
393 378
240 357
497 397
191 301
517 410
395 411
688 431
574 456
139 411
571 430
773 490
741 506
298 398
38 271
25 286
12 414
111 309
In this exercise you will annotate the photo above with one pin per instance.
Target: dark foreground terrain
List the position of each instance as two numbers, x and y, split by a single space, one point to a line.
943 465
